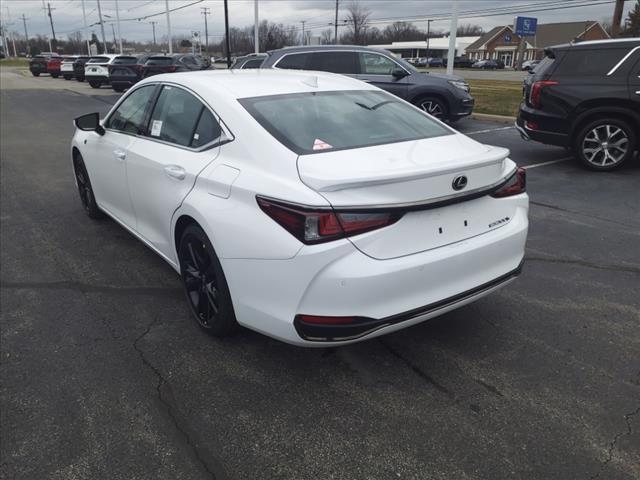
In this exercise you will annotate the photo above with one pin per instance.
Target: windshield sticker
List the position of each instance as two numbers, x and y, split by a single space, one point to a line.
321 145
156 127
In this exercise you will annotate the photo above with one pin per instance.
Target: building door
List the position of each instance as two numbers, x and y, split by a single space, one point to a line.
507 59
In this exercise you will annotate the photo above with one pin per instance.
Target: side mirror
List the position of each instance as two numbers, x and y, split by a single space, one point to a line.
89 123
399 72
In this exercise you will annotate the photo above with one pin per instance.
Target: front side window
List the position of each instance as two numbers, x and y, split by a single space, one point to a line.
374 64
129 116
175 117
314 122
188 61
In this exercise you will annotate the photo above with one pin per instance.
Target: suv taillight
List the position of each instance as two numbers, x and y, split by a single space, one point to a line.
516 184
536 91
318 225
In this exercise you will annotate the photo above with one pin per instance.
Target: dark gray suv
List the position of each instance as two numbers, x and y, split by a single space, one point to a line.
443 96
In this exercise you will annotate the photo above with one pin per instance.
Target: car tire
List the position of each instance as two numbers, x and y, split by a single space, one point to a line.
35 74
605 144
204 283
94 84
118 89
55 75
67 77
434 106
80 79
85 190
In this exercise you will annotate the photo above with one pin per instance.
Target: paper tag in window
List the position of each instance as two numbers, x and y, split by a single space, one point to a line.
156 127
321 145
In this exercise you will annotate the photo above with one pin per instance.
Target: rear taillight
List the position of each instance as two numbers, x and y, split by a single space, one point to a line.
516 184
311 225
536 91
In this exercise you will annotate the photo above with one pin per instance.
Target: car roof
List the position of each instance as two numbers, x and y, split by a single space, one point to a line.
607 43
256 83
316 48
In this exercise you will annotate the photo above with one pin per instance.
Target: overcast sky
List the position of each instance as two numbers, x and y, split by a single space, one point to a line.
67 14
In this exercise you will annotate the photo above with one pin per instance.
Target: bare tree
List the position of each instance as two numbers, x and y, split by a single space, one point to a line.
326 37
402 32
357 20
468 30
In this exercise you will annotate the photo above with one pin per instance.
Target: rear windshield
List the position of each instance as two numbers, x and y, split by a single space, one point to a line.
98 60
125 60
160 61
314 122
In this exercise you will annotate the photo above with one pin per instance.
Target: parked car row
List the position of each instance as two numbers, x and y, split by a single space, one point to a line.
119 71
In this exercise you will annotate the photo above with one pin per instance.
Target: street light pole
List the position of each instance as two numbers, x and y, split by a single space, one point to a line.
453 30
118 24
153 25
255 26
166 3
86 34
428 35
26 34
336 24
205 12
226 32
104 38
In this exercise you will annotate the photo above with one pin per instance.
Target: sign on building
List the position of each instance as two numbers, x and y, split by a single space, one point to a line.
525 26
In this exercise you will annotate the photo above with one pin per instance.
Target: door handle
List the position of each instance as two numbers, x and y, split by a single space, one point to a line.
120 155
174 171
638 92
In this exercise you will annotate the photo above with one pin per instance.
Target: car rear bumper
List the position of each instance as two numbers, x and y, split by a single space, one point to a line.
540 127
336 280
96 78
123 81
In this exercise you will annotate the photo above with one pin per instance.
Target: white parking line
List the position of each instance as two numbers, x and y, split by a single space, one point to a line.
488 130
550 162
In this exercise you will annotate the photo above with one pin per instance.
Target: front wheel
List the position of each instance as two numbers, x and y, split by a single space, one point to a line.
67 77
433 106
605 144
94 84
55 75
85 190
35 74
117 88
204 283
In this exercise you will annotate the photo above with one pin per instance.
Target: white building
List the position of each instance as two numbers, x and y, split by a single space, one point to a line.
438 47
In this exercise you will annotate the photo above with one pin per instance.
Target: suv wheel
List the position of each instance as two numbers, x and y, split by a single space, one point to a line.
605 144
433 106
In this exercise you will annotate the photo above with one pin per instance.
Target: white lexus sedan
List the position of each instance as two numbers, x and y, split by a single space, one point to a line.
311 207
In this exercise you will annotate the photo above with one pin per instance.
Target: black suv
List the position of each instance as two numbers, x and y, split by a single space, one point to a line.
126 70
443 96
178 62
586 96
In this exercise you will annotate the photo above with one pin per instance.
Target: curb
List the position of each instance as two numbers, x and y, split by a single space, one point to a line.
494 118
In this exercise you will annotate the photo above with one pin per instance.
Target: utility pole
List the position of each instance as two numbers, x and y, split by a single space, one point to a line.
303 22
226 32
453 30
153 25
44 11
255 26
53 32
166 3
206 11
428 35
11 37
113 30
86 34
104 38
336 24
26 34
118 23
617 18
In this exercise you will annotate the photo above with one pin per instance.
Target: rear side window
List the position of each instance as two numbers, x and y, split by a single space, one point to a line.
335 62
314 122
129 116
544 66
98 60
207 130
582 62
189 61
176 116
297 61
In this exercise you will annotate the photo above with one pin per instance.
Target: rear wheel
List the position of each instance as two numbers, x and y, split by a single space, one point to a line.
433 106
55 75
205 284
67 77
80 79
605 144
94 84
35 74
117 88
85 190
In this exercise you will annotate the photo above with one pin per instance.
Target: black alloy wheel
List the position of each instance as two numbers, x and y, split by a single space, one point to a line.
605 144
85 190
204 283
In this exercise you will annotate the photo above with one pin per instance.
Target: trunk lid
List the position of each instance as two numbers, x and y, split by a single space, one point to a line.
415 177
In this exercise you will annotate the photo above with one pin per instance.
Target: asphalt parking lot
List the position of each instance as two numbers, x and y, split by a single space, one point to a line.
104 375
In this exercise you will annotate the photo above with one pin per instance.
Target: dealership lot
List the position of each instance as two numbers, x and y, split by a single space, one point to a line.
105 375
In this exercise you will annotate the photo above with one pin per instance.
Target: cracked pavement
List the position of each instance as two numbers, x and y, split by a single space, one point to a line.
103 375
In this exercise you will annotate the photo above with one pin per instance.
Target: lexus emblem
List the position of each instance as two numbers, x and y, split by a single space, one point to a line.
459 182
